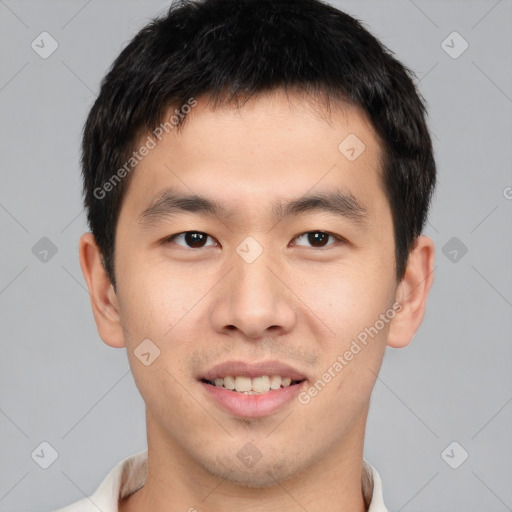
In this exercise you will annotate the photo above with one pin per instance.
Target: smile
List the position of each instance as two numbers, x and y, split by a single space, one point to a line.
252 390
253 386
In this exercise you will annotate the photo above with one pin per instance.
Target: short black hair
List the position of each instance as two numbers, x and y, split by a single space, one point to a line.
231 49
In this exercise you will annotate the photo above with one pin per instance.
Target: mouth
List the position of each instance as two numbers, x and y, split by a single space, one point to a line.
253 386
252 390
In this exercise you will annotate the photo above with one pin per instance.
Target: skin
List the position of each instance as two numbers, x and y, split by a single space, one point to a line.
299 303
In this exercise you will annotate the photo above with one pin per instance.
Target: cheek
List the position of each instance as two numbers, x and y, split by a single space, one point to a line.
166 392
155 298
162 306
347 297
354 302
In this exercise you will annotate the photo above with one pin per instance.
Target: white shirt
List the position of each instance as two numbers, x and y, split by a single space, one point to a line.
129 476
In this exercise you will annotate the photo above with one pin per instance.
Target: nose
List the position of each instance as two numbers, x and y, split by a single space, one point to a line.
254 300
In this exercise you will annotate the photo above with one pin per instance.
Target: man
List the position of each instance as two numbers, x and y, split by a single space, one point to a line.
257 175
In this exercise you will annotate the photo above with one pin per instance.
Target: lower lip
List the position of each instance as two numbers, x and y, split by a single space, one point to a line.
253 406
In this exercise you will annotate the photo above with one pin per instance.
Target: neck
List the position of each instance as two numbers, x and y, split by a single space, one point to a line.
175 483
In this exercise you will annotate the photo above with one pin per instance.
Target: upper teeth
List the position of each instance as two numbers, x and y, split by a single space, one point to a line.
251 386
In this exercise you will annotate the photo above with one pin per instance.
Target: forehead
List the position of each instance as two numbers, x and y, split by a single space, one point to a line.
273 146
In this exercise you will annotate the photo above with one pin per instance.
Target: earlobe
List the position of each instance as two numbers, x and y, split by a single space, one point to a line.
104 302
412 293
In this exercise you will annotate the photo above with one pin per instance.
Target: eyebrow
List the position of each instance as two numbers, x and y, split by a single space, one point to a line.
170 202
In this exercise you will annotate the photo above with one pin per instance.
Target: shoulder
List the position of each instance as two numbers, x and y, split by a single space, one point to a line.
372 489
126 477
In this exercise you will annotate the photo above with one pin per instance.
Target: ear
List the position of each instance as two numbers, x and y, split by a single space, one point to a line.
105 305
412 293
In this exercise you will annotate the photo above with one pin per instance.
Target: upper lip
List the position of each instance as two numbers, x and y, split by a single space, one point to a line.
252 369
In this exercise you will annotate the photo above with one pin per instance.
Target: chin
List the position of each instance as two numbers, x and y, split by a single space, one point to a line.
254 481
263 474
255 478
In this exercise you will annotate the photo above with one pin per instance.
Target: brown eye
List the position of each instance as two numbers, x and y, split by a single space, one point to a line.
192 239
317 239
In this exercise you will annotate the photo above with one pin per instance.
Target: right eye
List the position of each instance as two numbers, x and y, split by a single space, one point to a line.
191 239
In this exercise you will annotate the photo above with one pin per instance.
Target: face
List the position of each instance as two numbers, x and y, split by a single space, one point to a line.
266 281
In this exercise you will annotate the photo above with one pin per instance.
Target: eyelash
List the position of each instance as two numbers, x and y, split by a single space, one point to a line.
336 237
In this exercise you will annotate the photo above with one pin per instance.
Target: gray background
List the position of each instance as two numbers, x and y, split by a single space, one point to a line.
62 385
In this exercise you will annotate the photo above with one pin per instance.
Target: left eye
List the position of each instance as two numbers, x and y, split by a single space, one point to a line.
193 239
317 238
